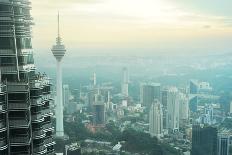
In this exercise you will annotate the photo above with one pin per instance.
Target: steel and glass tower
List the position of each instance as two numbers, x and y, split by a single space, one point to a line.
25 116
58 51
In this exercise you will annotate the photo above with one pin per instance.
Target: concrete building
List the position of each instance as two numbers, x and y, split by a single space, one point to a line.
173 119
58 51
25 115
156 119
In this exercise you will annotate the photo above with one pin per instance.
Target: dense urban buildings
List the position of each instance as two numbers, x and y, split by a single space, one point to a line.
25 115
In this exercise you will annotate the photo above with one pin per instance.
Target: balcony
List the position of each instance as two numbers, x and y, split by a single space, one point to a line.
9 69
3 143
19 123
38 134
49 141
3 108
40 149
2 125
47 112
18 105
37 117
7 52
20 140
17 87
35 102
48 127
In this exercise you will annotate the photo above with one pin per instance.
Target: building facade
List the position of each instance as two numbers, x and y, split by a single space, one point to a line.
156 119
204 140
25 115
148 93
173 119
223 144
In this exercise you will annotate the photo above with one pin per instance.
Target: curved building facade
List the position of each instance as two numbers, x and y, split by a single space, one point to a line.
25 116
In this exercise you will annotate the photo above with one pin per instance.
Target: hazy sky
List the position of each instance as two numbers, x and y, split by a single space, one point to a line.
165 25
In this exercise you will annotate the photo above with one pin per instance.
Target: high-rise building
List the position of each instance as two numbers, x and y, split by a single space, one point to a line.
164 101
204 140
173 119
156 119
148 93
184 108
125 82
99 116
164 97
231 107
25 115
66 93
58 51
223 144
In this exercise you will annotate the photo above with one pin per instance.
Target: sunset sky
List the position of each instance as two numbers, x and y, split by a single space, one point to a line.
187 25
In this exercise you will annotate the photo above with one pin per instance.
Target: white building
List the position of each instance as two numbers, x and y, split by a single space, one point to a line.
172 118
125 83
156 119
184 108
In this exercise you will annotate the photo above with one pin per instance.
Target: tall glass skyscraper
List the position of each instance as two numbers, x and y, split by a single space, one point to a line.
25 116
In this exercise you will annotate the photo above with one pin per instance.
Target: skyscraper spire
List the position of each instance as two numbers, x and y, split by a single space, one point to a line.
58 24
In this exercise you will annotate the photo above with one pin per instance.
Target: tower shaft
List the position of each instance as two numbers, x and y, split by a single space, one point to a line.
59 104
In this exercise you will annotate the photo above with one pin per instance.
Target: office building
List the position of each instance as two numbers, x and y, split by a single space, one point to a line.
25 115
148 93
172 118
204 140
156 119
184 108
125 83
223 144
99 116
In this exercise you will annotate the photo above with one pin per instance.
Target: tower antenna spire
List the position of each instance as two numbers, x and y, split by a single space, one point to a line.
58 24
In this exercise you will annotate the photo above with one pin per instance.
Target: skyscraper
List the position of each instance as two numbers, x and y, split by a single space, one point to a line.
58 51
66 93
156 119
99 111
25 116
204 140
125 82
173 119
184 108
148 93
223 144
